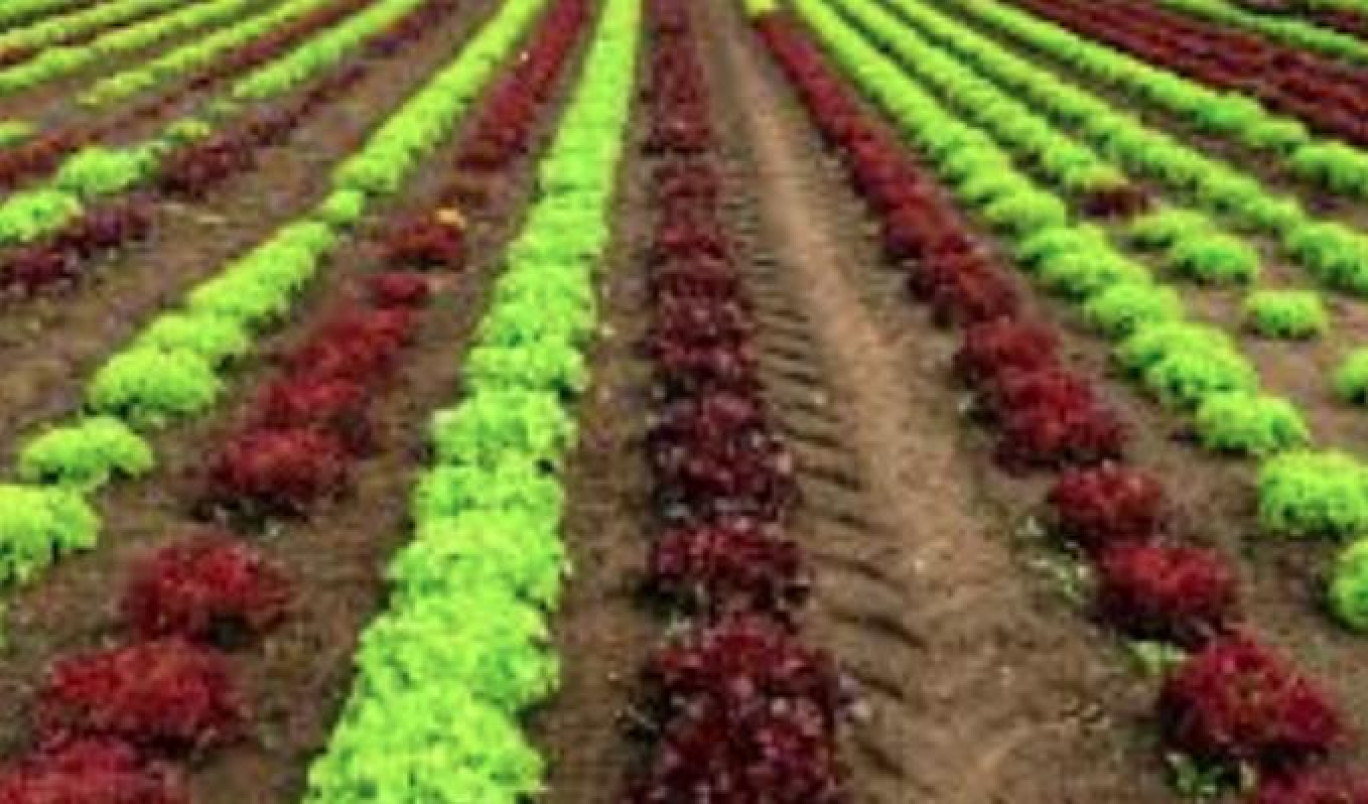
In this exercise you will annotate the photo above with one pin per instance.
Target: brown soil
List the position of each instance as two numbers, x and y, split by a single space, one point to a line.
52 346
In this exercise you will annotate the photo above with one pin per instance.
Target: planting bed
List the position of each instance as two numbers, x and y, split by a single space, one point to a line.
673 402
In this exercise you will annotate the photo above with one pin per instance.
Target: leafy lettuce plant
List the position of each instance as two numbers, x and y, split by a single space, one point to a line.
1026 212
1338 167
150 387
1286 314
479 637
214 338
1214 258
1187 378
1166 227
1081 274
343 208
258 287
1146 347
1250 425
1334 254
492 425
1347 593
1304 493
484 754
37 524
1057 241
510 547
1125 307
551 365
1282 136
85 455
27 215
97 171
1351 378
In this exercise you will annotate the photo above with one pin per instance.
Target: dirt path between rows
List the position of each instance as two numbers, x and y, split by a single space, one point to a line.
981 686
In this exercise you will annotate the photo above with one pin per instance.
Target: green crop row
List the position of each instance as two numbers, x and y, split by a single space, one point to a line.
59 60
183 60
12 11
60 28
1188 366
464 649
174 368
321 52
1289 30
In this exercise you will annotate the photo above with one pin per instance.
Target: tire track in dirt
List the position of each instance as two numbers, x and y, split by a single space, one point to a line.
978 688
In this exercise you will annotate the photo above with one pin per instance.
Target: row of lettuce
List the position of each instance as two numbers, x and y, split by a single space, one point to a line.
463 650
22 12
1228 703
1287 29
176 366
736 702
77 24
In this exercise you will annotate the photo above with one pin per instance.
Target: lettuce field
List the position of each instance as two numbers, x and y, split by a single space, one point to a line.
683 401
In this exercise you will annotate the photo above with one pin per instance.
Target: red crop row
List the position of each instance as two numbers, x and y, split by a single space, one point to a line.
115 724
740 709
504 129
195 168
57 261
42 154
1232 701
1331 97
